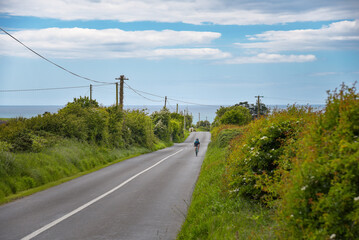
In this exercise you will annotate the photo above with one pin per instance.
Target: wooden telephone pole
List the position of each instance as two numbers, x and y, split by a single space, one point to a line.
258 105
122 79
117 94
90 92
165 101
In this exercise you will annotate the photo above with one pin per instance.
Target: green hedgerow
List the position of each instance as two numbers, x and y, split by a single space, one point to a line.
321 197
260 155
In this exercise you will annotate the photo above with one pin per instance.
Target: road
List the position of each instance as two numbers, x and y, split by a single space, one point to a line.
145 197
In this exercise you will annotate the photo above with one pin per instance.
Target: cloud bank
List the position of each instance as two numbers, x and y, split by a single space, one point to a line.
338 35
223 12
272 58
112 43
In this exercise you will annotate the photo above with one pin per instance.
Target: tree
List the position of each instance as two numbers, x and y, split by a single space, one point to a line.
238 115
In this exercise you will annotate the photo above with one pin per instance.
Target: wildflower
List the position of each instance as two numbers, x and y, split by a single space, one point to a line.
303 188
356 199
332 236
264 138
291 216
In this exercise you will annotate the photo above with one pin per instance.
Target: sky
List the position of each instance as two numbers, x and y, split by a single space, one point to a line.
211 52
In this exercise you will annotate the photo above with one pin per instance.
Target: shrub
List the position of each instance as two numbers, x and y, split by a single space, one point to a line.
222 135
162 128
238 116
139 126
259 158
321 197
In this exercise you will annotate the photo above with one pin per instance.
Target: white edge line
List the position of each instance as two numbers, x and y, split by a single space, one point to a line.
53 223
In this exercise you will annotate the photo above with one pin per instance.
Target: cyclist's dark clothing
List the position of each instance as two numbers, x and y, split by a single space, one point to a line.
196 143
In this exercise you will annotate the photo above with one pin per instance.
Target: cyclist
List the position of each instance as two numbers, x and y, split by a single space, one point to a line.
196 145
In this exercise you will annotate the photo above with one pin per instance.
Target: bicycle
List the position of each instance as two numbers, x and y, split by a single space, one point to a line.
196 150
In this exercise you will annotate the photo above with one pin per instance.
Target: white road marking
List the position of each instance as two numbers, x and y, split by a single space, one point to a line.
50 225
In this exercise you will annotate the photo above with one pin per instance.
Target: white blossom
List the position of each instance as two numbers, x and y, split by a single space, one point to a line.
332 236
303 188
356 198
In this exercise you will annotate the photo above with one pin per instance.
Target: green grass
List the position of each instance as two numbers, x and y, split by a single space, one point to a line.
22 174
213 215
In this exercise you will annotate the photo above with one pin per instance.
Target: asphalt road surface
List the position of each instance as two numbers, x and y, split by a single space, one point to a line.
145 197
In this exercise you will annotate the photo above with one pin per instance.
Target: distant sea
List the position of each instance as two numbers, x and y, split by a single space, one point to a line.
202 112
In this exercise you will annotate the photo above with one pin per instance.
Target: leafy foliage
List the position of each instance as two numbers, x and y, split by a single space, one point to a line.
203 125
238 115
253 111
259 157
321 200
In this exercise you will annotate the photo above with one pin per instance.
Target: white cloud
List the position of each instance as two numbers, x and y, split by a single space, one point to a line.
112 43
272 58
338 35
325 74
240 12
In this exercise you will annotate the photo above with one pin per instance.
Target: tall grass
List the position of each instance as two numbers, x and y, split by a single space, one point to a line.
23 171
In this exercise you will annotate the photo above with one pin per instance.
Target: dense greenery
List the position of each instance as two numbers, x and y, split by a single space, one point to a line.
36 151
321 197
238 114
169 126
203 125
302 166
258 159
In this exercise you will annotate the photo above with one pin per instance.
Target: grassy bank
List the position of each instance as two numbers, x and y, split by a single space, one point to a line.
212 215
22 174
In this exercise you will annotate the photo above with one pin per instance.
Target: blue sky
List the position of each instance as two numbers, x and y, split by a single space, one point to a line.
216 52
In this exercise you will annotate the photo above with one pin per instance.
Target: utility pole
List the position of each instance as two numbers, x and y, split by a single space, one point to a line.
117 94
165 101
258 105
121 78
199 117
177 108
184 119
90 92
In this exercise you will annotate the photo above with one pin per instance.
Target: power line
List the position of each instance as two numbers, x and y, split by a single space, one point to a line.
49 89
137 92
75 74
192 103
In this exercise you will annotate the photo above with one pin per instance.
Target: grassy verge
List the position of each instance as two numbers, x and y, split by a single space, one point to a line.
213 215
23 174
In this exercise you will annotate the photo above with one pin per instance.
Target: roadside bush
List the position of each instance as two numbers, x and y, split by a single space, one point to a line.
139 126
162 128
238 116
222 135
115 126
177 130
260 156
321 197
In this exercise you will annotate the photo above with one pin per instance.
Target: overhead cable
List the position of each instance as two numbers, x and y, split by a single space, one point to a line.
192 103
49 89
137 92
75 74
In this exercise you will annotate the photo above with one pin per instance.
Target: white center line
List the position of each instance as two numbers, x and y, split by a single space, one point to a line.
50 225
